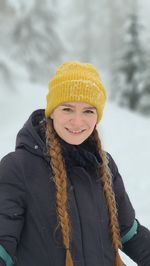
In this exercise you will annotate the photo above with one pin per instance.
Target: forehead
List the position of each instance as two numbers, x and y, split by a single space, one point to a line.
77 104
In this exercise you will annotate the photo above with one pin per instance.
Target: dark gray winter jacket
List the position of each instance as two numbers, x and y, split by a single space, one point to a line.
28 220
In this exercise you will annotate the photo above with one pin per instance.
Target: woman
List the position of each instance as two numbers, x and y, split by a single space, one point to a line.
62 199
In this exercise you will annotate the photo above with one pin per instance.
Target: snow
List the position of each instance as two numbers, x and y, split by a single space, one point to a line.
124 134
10 72
21 6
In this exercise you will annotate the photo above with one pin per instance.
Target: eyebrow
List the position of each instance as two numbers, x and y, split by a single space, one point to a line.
72 106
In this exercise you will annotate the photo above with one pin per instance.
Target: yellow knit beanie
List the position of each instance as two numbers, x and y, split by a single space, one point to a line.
73 82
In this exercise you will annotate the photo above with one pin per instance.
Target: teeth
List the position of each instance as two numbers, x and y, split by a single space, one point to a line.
74 132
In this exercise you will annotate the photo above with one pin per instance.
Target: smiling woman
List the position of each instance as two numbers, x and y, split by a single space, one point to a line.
74 121
62 199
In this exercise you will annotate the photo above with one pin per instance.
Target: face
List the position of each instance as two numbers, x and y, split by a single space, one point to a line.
74 121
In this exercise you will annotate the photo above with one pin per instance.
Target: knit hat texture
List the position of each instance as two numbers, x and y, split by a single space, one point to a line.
76 82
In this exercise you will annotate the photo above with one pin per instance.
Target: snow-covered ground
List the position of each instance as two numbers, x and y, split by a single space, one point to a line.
125 135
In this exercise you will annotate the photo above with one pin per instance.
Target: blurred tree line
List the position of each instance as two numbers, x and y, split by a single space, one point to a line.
37 36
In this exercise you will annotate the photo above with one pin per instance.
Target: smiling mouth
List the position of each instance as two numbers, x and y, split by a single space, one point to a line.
75 132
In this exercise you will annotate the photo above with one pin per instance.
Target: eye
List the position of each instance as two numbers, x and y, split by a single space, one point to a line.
67 109
89 111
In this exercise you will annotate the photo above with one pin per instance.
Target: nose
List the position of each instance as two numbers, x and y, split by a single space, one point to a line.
76 119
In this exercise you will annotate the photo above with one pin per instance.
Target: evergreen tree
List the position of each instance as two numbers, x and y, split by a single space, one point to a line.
85 30
144 102
39 46
7 66
131 81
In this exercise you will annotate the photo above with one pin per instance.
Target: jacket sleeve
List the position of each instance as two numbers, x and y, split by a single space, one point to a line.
12 206
134 236
138 247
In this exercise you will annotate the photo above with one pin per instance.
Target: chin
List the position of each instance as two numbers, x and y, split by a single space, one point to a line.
74 142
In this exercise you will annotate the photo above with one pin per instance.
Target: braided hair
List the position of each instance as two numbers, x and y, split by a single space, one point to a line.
60 179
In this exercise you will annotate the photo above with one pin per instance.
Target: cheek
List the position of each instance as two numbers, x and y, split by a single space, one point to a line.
59 122
92 123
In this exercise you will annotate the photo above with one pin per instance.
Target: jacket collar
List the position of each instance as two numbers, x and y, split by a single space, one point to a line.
84 155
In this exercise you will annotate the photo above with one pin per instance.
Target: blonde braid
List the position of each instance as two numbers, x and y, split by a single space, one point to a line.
60 179
105 178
